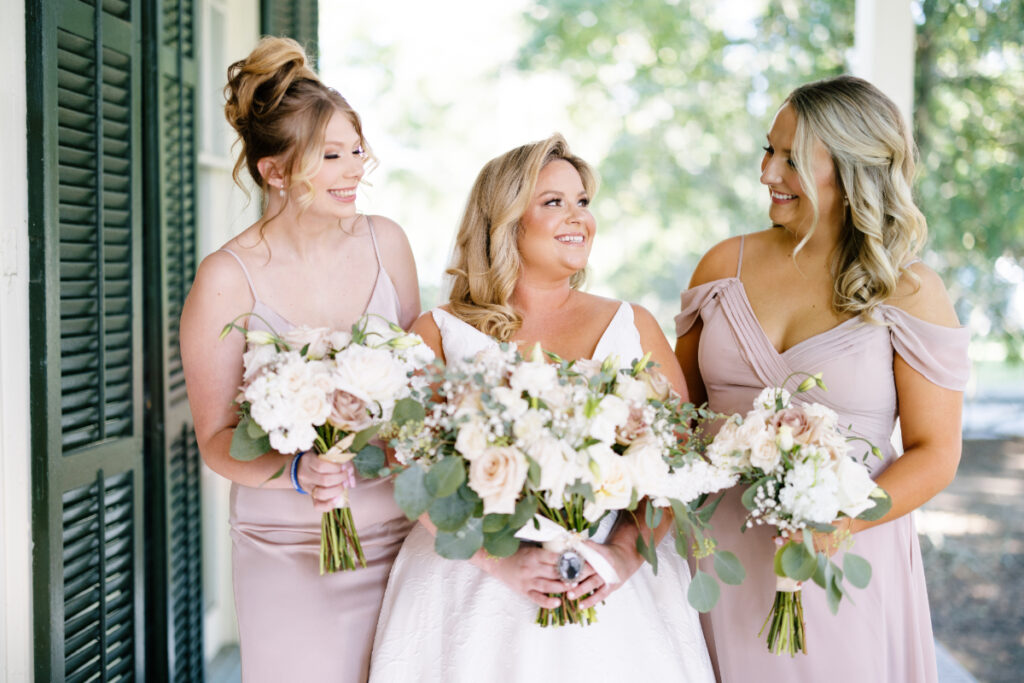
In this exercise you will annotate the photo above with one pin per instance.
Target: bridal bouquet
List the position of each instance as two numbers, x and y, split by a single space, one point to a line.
331 391
800 477
511 448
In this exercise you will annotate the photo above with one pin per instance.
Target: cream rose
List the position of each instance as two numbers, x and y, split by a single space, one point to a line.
498 476
472 439
630 389
647 466
764 452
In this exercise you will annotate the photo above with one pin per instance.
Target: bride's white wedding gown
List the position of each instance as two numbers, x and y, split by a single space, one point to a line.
446 620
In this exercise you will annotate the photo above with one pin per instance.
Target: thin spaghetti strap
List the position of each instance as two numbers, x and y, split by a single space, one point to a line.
911 262
373 236
245 271
739 259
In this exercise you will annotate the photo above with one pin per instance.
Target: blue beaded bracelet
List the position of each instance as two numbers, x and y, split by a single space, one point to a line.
295 474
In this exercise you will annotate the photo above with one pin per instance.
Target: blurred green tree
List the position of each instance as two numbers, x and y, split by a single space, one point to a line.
692 87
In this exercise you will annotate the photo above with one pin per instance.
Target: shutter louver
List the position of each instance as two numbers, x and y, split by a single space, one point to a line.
98 558
82 73
298 19
176 622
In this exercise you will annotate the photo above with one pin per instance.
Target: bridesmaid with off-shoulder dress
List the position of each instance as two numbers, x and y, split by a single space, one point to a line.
834 287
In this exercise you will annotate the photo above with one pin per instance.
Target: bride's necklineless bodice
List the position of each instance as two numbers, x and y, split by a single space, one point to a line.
460 340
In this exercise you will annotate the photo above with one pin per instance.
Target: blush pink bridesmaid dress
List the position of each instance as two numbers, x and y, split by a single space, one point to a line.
293 624
884 634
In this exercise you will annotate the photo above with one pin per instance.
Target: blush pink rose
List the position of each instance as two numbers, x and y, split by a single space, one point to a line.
349 412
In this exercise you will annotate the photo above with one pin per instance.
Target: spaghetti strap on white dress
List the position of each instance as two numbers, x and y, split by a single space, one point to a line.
446 620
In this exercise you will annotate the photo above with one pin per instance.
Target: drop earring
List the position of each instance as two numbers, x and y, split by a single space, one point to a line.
282 192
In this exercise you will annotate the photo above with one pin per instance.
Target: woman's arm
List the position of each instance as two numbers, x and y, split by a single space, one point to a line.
213 375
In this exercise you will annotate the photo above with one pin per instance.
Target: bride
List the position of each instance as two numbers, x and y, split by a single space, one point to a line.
519 260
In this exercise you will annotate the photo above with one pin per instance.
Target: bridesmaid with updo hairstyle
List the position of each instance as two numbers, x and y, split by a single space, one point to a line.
311 259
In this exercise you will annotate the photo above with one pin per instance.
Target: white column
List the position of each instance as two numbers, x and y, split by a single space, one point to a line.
15 438
883 49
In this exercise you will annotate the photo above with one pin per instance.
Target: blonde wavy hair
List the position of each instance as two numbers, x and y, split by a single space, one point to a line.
486 262
875 159
280 108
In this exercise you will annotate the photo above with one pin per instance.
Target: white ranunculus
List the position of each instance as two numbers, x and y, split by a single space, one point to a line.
647 466
512 401
498 476
630 389
318 340
533 378
855 487
472 439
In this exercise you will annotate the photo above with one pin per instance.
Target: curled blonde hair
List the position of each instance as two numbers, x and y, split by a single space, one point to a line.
874 158
486 262
280 108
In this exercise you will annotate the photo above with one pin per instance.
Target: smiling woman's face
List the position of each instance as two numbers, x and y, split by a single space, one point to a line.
557 230
790 207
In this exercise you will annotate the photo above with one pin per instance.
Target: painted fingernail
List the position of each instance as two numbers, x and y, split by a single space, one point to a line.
572 595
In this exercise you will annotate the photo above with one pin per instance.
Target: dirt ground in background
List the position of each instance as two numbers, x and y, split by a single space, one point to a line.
972 538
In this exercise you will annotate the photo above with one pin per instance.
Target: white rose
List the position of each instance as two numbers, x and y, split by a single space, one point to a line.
317 338
497 476
855 487
647 466
764 452
630 389
472 439
534 378
373 373
313 405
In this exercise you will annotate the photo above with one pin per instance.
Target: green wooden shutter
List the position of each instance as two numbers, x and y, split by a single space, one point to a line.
84 220
298 19
175 617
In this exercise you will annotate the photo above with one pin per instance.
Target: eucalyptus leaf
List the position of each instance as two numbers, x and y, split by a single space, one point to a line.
858 570
411 492
252 427
495 522
445 476
451 512
526 508
833 595
883 503
369 461
461 544
245 447
703 591
819 571
408 410
501 543
705 512
797 563
363 437
729 568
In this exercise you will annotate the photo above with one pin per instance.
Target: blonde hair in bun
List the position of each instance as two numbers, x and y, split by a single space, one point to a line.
280 108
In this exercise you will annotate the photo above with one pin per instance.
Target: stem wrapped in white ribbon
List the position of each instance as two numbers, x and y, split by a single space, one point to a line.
558 539
784 584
